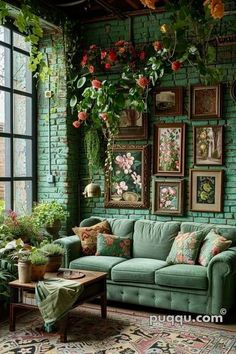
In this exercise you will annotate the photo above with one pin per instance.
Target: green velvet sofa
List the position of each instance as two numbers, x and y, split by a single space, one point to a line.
146 278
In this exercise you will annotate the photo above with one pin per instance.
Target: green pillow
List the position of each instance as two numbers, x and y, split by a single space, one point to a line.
212 245
111 245
186 247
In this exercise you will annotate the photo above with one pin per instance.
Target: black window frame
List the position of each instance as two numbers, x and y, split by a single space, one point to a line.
11 135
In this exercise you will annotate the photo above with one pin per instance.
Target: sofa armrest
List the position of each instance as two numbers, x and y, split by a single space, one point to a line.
72 247
221 274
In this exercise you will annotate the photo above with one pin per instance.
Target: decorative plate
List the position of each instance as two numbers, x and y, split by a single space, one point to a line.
70 274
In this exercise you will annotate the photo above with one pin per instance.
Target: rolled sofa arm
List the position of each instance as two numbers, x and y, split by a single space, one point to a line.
221 274
72 247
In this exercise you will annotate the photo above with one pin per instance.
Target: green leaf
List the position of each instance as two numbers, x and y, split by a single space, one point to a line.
81 82
73 101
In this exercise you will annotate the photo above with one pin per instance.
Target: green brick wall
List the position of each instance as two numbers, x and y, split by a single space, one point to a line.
146 28
63 141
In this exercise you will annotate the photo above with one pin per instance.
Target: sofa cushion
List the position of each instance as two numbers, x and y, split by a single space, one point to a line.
88 236
111 245
227 231
183 276
153 239
98 264
212 245
186 247
137 270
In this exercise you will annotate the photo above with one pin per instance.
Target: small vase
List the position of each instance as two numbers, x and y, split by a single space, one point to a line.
38 271
54 263
24 272
54 229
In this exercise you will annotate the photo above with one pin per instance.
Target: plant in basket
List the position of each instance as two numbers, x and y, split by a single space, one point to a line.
55 254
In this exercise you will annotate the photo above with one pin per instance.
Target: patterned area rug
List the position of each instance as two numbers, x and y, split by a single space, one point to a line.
123 332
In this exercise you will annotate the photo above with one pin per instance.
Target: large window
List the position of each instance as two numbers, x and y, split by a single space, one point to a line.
17 137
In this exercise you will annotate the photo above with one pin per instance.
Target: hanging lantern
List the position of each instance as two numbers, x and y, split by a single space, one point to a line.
149 3
92 190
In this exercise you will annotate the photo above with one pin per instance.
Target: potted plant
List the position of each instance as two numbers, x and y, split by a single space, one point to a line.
21 252
50 215
55 254
39 262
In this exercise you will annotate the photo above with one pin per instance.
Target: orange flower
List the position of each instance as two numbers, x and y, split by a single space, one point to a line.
142 82
96 84
82 115
149 3
216 7
121 50
76 124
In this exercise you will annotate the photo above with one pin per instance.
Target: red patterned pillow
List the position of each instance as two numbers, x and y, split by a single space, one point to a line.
88 236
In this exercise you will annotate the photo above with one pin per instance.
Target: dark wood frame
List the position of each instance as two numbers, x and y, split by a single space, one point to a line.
156 146
195 145
156 183
175 111
134 132
217 114
144 203
208 208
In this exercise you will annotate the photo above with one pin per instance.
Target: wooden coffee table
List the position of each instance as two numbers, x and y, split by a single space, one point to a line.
94 284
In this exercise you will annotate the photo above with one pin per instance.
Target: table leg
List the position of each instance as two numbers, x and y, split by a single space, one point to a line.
12 318
63 329
104 302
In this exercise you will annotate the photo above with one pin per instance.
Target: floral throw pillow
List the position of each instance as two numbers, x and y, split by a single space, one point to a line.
88 236
186 247
212 245
111 245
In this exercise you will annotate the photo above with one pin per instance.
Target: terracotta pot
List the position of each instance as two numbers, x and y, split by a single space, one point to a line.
24 271
54 263
54 229
38 271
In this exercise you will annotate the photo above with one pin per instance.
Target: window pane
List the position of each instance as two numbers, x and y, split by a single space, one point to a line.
5 196
4 112
4 66
5 161
22 158
22 115
22 197
4 34
19 42
22 76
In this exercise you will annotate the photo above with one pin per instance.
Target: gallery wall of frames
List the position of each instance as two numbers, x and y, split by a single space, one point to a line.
135 164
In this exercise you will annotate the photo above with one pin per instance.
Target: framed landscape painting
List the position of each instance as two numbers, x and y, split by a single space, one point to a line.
132 125
169 149
168 197
205 101
206 190
128 185
208 145
168 101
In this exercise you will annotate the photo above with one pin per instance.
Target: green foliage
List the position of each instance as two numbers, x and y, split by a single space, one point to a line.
3 12
49 212
5 277
22 227
38 258
92 141
52 249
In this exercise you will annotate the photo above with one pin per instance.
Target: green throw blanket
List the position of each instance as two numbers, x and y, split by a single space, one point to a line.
55 297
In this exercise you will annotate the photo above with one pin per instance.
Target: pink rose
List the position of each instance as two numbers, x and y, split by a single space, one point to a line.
76 124
103 54
104 116
107 66
96 84
157 45
142 82
91 69
175 66
82 115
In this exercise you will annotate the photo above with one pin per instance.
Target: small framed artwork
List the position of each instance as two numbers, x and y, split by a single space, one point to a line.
168 101
169 149
132 125
168 197
205 101
208 145
206 190
128 185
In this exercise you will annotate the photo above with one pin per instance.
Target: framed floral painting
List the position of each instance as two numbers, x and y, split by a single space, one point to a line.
206 190
169 149
168 197
205 101
128 185
208 145
168 101
132 125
